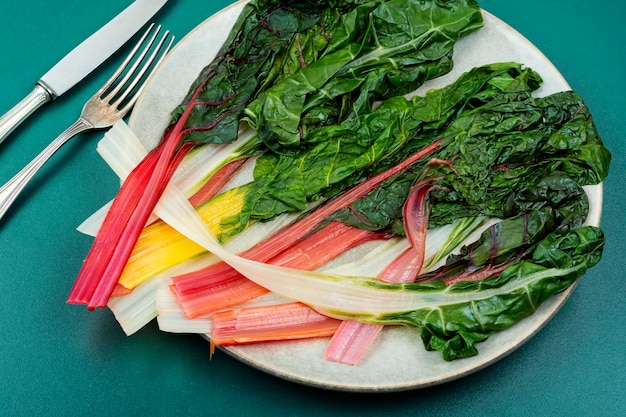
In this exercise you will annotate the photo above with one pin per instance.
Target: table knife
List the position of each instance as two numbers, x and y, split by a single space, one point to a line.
81 61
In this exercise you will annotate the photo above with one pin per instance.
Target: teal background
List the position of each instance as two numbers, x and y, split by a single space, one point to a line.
57 359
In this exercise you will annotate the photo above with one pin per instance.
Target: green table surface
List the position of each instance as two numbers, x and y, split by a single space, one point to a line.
57 359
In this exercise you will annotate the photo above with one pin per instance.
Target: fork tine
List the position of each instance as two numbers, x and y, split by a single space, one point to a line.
159 50
107 85
137 61
117 85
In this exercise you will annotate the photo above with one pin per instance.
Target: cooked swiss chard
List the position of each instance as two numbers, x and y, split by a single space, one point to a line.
308 78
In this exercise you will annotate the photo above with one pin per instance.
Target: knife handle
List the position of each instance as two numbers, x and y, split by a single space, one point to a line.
14 117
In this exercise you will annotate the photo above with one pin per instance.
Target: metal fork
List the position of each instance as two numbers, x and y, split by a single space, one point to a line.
108 105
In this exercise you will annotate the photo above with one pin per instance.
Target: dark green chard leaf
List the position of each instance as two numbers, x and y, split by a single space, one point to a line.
502 153
380 49
507 147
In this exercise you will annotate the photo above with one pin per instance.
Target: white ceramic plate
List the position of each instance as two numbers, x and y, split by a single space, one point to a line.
399 360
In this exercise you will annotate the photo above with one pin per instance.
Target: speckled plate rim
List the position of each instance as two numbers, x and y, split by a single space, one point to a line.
386 368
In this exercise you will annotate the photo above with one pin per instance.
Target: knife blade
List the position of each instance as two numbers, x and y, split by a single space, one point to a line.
81 61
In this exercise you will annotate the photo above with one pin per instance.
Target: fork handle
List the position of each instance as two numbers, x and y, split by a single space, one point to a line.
14 117
10 190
